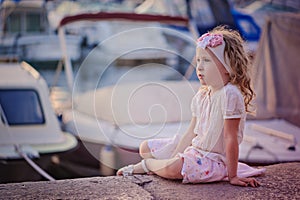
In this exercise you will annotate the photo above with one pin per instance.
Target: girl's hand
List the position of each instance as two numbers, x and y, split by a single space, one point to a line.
244 181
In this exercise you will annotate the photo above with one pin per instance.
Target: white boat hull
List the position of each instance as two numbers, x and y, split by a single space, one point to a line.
256 148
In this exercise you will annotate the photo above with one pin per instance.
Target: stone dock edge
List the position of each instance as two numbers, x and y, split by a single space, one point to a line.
281 181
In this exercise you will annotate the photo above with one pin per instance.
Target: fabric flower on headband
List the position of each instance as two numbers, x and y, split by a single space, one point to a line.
209 40
216 45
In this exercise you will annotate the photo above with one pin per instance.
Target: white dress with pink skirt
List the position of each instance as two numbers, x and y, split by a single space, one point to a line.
205 159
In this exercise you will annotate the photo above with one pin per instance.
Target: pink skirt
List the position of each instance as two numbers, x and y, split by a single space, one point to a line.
198 168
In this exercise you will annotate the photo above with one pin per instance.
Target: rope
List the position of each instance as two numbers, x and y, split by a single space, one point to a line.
34 165
21 153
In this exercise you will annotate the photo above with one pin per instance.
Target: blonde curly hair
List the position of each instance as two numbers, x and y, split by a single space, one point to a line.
239 62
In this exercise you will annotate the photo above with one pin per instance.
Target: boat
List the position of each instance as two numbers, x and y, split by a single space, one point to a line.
30 133
98 31
26 34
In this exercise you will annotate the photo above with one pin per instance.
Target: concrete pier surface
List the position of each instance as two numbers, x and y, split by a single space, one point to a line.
281 181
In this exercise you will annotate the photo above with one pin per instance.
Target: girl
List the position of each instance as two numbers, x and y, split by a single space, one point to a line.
208 151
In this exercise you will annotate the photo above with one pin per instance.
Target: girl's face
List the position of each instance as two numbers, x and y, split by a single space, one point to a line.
210 70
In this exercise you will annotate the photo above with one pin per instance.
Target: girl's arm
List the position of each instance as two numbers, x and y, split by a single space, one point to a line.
186 139
231 127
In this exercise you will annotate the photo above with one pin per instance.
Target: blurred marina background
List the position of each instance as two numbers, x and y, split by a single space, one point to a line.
83 58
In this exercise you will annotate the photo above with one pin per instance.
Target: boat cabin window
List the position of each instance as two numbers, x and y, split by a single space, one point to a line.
25 22
21 107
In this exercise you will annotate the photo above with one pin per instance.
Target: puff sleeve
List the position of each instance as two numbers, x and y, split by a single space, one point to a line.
233 106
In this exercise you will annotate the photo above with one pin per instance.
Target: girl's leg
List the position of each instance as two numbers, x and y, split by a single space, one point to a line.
160 148
167 168
145 150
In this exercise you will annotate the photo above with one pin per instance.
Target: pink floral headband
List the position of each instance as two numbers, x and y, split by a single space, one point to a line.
216 44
